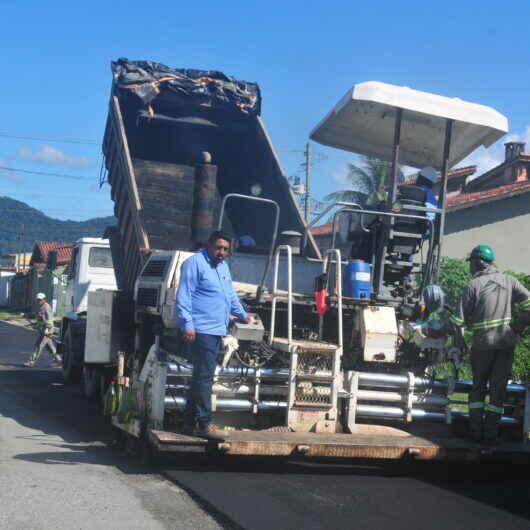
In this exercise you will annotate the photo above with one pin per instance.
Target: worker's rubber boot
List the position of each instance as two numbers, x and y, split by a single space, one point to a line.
491 428
476 427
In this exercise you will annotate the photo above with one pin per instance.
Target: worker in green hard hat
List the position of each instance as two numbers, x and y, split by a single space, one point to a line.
486 307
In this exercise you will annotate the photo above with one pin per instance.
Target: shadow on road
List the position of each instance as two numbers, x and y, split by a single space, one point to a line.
37 399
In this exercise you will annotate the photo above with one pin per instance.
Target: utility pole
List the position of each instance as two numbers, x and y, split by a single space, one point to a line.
307 202
20 258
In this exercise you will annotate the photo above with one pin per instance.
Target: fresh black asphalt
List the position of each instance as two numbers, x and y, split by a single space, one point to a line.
277 494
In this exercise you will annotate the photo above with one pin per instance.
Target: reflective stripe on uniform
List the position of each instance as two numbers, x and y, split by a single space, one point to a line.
476 405
456 320
485 324
493 408
526 303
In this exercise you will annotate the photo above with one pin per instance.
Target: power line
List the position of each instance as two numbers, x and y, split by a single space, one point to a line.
67 140
36 195
46 174
58 210
31 208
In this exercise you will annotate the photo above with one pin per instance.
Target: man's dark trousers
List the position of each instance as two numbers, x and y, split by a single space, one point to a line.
204 352
493 367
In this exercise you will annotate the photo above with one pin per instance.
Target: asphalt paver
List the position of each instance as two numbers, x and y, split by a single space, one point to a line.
272 494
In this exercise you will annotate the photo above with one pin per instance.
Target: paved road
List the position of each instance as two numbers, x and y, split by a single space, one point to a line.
257 493
56 469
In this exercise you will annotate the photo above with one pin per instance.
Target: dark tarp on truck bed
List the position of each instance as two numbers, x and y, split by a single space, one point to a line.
161 122
208 88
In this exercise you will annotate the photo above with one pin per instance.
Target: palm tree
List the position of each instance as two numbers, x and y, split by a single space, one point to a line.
368 182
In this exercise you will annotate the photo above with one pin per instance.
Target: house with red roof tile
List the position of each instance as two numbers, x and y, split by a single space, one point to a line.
456 180
51 254
494 209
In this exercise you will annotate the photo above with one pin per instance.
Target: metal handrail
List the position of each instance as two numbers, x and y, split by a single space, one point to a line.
323 213
274 235
275 294
393 214
338 282
384 214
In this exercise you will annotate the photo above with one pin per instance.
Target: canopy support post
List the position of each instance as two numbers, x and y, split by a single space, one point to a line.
442 199
395 159
391 198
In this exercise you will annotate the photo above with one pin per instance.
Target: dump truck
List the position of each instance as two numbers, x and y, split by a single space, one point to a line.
90 269
351 375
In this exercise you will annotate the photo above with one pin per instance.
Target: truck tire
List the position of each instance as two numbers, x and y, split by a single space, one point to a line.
71 345
104 380
91 383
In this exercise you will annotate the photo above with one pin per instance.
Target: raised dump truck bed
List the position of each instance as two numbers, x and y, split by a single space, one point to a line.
167 190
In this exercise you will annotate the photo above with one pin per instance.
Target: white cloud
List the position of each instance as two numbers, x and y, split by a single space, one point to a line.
486 159
53 156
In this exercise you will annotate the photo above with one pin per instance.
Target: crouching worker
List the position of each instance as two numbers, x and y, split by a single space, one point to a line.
45 329
206 299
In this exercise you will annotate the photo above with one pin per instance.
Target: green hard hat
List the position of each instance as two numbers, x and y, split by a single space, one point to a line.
484 252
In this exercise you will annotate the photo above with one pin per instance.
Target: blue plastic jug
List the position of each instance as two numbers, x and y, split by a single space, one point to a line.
357 281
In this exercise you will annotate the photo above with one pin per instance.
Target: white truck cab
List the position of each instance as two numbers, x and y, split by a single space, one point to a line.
91 269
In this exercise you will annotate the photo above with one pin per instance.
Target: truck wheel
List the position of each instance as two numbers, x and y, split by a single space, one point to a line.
91 383
104 382
71 372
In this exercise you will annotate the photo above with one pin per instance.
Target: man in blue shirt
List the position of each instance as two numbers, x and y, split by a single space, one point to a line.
426 180
206 301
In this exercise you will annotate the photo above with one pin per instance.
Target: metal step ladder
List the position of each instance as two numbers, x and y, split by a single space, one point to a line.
314 375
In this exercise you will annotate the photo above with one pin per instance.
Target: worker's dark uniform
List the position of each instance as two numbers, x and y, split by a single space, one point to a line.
486 307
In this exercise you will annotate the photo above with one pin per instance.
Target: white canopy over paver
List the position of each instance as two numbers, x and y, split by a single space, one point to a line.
363 122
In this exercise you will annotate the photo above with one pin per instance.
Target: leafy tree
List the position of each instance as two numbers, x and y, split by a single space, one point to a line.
368 182
521 363
453 277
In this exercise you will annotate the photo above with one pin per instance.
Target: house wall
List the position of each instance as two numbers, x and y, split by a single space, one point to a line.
502 224
4 287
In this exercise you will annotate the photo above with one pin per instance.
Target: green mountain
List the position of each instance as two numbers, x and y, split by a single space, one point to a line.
21 225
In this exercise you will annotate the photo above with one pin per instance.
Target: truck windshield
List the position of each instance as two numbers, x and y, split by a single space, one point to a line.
100 257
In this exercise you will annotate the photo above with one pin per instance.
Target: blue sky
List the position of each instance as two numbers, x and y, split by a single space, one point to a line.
55 74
